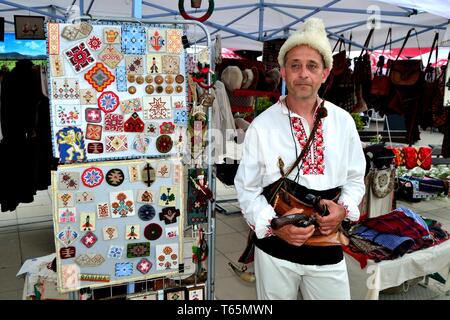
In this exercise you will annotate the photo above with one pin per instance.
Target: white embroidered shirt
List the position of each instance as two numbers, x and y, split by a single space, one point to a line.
336 159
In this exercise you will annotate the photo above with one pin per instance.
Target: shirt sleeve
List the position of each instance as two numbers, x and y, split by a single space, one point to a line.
249 186
354 188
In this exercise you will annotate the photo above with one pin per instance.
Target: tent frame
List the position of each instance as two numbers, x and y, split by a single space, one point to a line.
261 35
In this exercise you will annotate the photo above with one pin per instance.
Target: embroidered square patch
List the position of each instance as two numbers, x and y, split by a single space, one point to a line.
56 65
157 108
163 170
67 215
167 256
93 115
167 196
95 147
132 232
69 180
145 196
68 115
99 77
140 249
154 63
70 275
180 117
171 232
135 174
131 105
122 204
94 43
111 35
134 64
121 79
67 236
144 266
174 43
170 64
71 145
79 57
53 38
65 89
115 252
156 40
114 122
111 56
65 199
110 232
123 269
103 210
93 132
85 197
116 143
133 39
141 142
89 239
88 96
178 103
87 221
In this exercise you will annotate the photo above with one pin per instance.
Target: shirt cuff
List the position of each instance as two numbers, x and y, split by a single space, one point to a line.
351 209
262 226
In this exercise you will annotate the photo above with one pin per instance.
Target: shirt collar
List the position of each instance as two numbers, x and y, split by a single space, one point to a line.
285 110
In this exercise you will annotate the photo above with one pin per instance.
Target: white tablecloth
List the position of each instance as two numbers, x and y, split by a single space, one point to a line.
368 282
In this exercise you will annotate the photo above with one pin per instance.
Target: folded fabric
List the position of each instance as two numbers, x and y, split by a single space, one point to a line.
417 218
398 223
398 244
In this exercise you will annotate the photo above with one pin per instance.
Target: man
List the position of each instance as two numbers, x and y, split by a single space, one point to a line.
332 168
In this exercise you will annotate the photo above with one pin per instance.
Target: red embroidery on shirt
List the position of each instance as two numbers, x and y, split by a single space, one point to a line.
314 161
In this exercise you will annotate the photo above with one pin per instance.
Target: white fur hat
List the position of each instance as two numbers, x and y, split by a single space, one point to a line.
312 33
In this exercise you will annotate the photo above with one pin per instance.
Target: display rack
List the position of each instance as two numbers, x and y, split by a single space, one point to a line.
210 233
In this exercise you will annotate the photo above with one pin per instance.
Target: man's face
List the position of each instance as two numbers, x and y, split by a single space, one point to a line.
304 72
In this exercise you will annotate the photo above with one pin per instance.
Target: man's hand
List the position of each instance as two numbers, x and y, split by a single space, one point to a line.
329 223
292 234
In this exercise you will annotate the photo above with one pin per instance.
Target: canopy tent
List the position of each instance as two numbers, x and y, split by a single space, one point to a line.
246 24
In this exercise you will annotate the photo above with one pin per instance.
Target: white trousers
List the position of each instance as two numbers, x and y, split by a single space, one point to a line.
278 279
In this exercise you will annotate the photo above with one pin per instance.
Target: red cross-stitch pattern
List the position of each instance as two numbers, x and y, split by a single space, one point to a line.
80 57
158 109
314 161
114 122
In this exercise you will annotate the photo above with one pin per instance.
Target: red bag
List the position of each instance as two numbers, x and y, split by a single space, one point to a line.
424 157
410 154
399 157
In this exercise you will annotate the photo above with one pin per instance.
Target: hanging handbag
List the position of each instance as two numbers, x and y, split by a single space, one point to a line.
363 76
381 84
406 73
430 88
340 87
383 182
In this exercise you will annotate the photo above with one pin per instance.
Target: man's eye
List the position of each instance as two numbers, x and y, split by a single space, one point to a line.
295 66
312 66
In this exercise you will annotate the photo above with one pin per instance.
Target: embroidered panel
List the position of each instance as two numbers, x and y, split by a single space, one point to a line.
156 40
118 230
133 39
80 57
107 65
314 162
56 66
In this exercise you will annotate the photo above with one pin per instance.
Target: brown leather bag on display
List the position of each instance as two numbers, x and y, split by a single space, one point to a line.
381 83
363 76
405 74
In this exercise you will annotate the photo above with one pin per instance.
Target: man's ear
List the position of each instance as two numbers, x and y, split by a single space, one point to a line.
325 74
283 72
